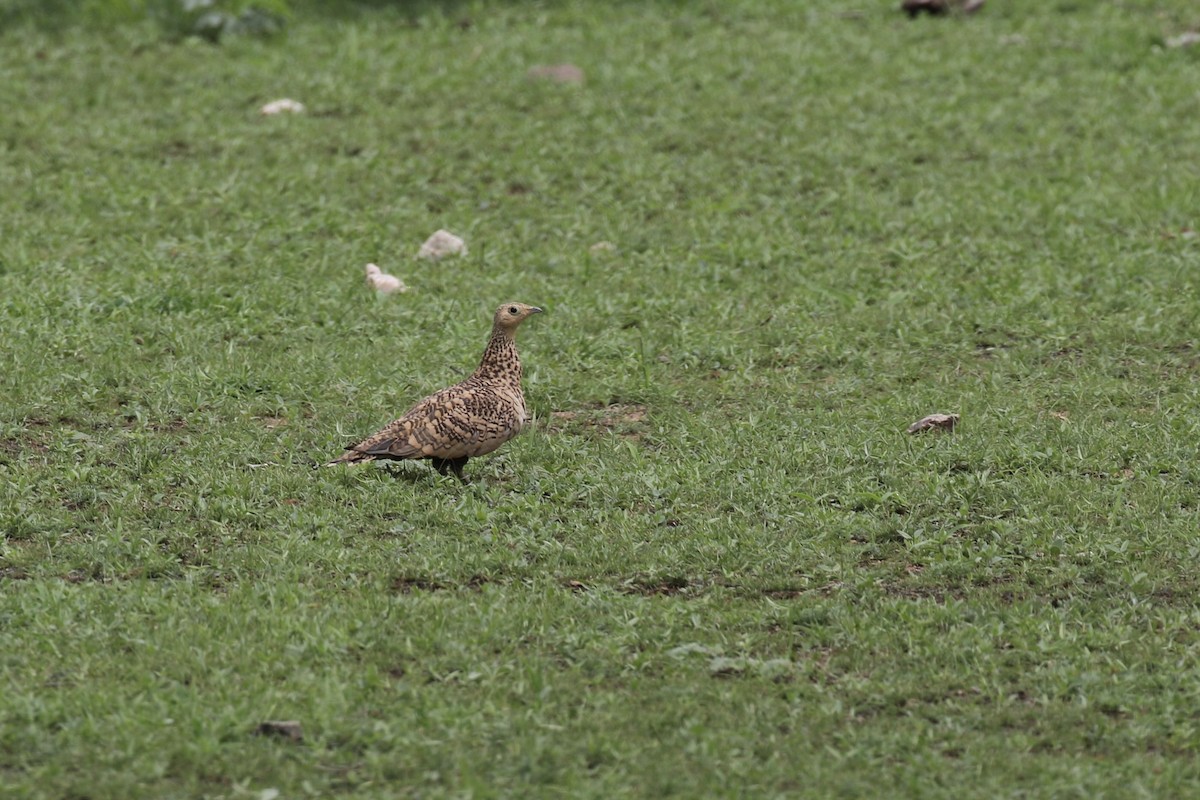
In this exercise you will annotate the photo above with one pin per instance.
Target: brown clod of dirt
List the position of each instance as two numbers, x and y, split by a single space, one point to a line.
943 422
623 419
407 584
650 587
934 8
558 73
285 729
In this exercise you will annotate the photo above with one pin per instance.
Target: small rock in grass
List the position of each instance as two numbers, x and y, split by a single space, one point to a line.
1184 39
442 244
283 106
944 422
383 283
558 73
285 729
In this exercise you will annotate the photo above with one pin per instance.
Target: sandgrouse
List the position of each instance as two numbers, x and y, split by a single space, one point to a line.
465 420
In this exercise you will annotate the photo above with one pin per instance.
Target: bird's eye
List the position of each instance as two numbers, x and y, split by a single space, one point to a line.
512 310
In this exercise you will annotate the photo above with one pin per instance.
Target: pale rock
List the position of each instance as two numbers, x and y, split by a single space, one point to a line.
383 283
282 106
441 244
557 73
1186 39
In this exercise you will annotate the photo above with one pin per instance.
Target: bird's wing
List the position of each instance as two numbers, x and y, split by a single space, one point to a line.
467 419
437 427
396 439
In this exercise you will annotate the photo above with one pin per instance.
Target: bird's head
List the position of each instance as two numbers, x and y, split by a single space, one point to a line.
510 315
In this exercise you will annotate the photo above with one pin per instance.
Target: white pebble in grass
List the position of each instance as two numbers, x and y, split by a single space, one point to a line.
282 106
383 283
441 244
1186 39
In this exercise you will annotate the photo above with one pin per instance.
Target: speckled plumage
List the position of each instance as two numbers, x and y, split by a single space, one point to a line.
468 419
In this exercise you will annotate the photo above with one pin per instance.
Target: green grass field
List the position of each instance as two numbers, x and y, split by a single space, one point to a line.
716 565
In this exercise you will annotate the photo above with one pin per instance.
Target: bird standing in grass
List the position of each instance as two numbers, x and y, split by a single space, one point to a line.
465 420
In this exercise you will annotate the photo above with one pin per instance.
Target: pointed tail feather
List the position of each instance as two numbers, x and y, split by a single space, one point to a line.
351 456
369 450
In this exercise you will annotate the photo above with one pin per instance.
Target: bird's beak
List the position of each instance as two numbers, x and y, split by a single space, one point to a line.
534 310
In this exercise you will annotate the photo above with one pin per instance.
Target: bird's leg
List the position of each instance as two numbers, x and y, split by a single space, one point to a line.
454 464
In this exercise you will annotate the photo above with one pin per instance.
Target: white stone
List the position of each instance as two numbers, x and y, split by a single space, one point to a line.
281 106
442 244
383 283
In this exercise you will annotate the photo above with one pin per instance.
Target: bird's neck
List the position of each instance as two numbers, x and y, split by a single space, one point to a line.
500 358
